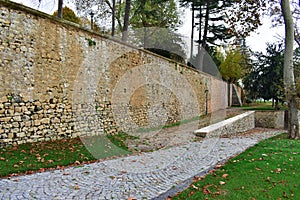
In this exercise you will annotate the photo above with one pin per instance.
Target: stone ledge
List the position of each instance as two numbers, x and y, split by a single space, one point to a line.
231 126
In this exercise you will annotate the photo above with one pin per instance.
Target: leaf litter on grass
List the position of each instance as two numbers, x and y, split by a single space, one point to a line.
266 171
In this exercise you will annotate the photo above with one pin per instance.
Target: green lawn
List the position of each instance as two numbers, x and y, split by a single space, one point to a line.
261 106
269 170
30 157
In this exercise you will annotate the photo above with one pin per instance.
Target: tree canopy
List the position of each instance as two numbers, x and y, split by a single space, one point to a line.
68 14
265 80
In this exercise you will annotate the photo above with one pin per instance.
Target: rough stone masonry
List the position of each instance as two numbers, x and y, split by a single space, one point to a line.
60 80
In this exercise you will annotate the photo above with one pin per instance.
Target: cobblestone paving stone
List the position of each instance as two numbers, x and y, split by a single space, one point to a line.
144 176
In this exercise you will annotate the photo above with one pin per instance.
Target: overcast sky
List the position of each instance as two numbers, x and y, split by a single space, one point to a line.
257 40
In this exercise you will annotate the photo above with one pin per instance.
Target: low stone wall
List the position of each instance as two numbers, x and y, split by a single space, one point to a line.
231 126
270 119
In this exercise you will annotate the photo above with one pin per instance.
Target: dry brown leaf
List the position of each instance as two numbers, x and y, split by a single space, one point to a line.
76 187
131 198
218 166
206 191
224 175
77 162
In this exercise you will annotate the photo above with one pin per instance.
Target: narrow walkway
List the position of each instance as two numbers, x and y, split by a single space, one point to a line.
152 175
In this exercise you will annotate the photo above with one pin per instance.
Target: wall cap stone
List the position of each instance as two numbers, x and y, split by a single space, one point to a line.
223 124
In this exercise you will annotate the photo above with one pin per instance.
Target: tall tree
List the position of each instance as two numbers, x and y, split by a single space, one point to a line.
106 13
211 24
233 67
126 20
245 16
150 16
68 14
60 8
265 79
279 8
289 78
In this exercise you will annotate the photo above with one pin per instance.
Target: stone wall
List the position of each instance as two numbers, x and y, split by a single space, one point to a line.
60 80
229 127
270 119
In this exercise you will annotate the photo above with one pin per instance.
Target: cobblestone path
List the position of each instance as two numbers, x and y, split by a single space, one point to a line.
152 175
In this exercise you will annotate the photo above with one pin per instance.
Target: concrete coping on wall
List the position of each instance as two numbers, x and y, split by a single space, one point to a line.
229 126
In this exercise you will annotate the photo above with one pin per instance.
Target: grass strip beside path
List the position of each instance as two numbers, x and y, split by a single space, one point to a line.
31 157
269 170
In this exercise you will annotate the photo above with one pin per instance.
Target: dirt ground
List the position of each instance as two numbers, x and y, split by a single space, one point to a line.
177 135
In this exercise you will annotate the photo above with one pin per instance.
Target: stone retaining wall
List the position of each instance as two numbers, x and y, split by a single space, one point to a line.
60 80
270 119
231 126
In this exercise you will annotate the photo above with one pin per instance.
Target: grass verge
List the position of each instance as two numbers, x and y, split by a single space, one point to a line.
269 170
261 106
31 157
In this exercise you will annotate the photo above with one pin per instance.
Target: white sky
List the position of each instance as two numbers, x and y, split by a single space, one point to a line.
257 40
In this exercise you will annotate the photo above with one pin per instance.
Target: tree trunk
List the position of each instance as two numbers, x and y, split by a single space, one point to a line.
289 78
60 7
206 25
126 21
113 17
192 35
202 41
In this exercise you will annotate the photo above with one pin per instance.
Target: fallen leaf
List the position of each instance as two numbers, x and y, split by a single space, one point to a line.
77 162
131 198
284 194
76 187
16 180
257 168
41 170
222 183
195 187
198 178
278 171
1 158
218 166
206 191
224 175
